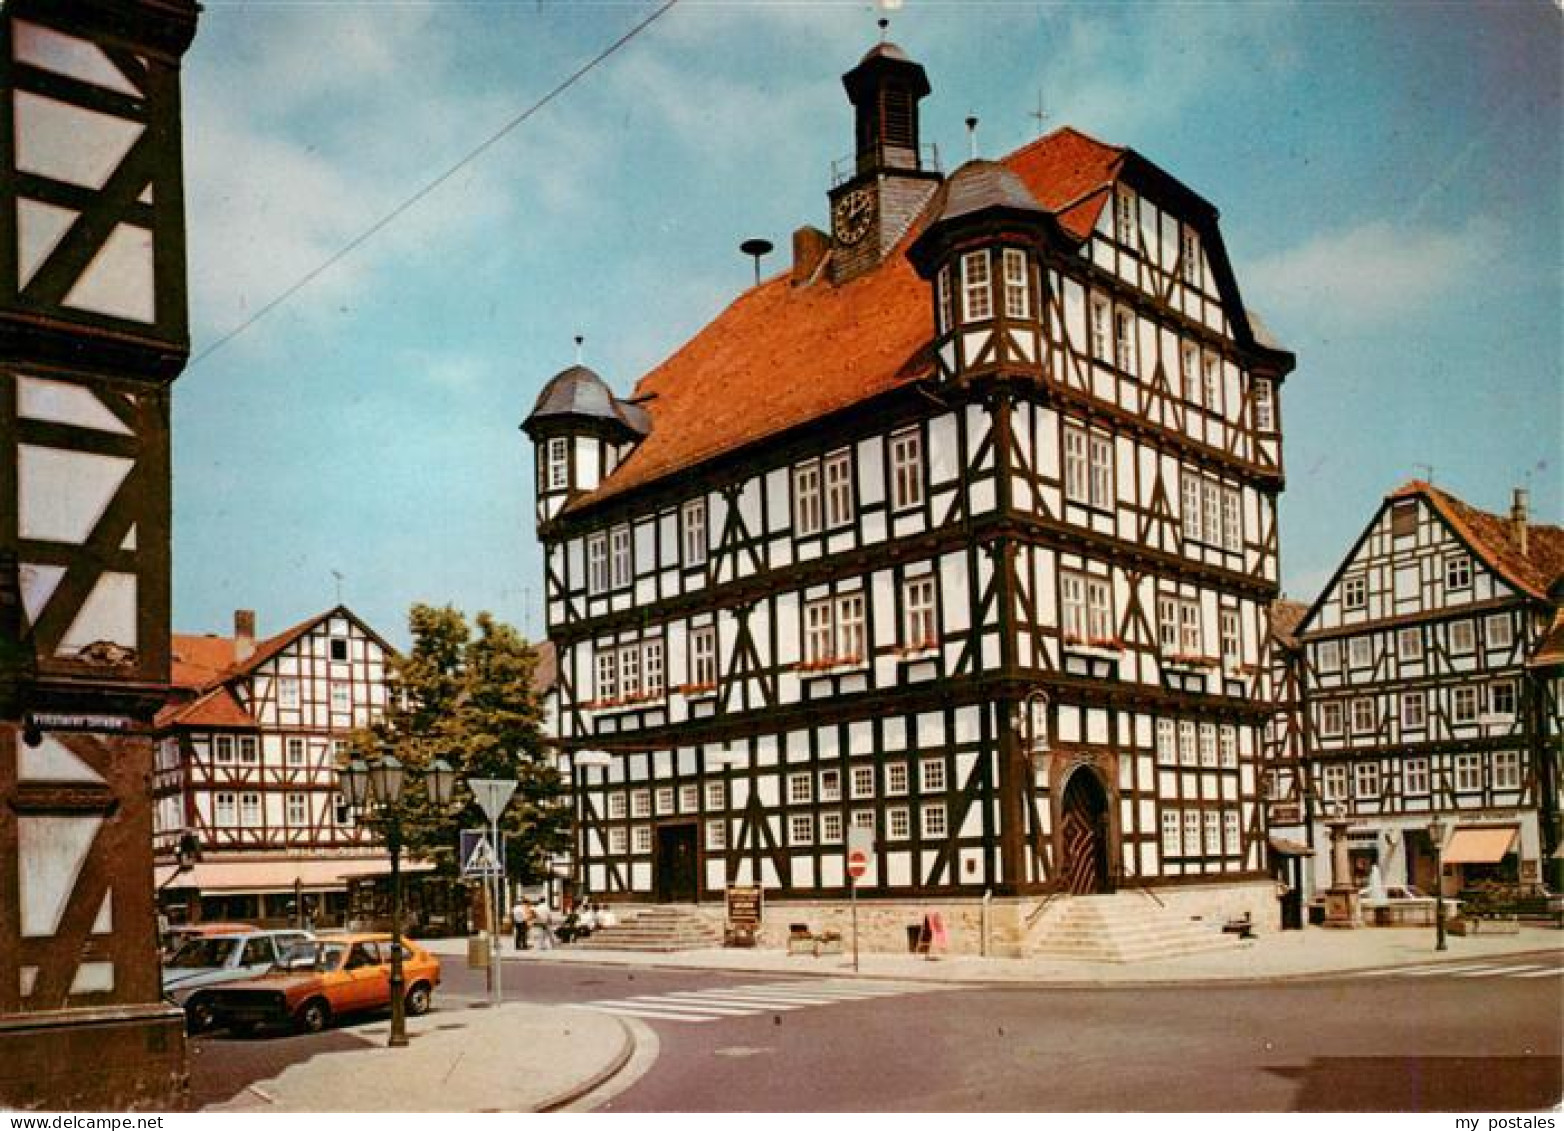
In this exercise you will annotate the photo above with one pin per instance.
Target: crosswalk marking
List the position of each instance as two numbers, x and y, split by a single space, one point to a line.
1490 968
1552 972
749 1000
1426 971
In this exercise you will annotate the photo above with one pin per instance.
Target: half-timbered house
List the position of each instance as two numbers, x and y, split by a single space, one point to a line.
1429 689
247 762
962 531
92 335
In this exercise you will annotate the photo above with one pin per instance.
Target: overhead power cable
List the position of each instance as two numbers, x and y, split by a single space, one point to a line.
390 217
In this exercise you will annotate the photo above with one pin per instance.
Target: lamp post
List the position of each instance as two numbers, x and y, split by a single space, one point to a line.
379 784
1436 833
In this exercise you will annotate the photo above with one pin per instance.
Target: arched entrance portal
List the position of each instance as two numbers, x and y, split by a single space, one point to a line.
1083 835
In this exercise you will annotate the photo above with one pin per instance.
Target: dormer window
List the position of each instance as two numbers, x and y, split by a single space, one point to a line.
1127 216
558 464
1017 294
977 297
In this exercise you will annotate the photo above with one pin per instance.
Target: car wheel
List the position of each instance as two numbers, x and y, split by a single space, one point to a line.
313 1016
418 1000
198 1015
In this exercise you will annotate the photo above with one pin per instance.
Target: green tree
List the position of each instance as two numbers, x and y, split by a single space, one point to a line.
470 700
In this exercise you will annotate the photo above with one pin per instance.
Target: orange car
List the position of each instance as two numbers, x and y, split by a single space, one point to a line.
326 979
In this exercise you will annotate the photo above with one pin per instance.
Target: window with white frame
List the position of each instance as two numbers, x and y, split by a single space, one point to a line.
1211 504
249 749
1232 525
819 632
287 691
1414 776
1413 710
1360 651
1167 740
1018 298
227 810
808 508
1409 643
1463 637
703 656
1331 718
1124 339
250 810
717 835
1501 699
1232 841
558 462
1077 468
1189 371
630 672
1500 630
800 828
1506 769
607 675
863 819
689 798
1327 654
1102 315
1127 209
640 803
1211 380
1227 742
616 806
1170 833
918 609
1365 780
932 775
1088 610
341 697
1333 783
830 785
619 841
597 563
830 828
296 812
850 637
1194 528
1354 591
838 489
906 469
652 671
933 815
716 797
1189 260
895 778
663 797
863 781
1187 754
619 561
1463 704
898 822
693 515
1363 715
1189 626
641 838
1100 451
1191 832
1264 404
1227 622
977 295
295 751
1468 773
947 302
800 789
1458 572
1207 745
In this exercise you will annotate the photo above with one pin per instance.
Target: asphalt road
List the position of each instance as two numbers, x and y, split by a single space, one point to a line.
746 1042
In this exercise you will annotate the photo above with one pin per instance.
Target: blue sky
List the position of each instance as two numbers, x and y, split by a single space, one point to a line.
1389 178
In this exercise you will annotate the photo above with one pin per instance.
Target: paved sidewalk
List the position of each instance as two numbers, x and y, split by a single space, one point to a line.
1313 952
513 1058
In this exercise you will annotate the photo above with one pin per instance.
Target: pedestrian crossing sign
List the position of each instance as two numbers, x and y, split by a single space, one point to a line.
478 857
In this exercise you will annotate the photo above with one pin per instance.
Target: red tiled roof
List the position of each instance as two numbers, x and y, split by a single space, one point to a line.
1286 616
217 708
1493 539
780 356
198 660
1549 652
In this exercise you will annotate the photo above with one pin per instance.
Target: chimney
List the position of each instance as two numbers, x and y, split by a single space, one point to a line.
244 634
810 246
1518 517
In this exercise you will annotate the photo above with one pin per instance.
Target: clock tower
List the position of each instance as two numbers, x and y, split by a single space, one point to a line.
888 182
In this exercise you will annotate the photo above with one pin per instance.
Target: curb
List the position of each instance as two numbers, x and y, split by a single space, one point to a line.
598 1079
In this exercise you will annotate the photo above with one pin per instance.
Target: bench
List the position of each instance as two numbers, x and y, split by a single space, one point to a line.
1243 928
802 940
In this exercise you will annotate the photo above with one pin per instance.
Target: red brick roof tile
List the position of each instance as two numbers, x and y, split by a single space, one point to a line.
1493 539
217 708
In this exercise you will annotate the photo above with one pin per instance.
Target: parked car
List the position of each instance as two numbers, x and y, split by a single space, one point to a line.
175 937
213 959
344 974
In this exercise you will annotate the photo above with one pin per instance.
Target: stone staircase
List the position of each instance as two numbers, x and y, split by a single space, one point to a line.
1124 927
660 928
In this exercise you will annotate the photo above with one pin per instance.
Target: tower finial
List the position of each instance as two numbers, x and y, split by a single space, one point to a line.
972 124
579 341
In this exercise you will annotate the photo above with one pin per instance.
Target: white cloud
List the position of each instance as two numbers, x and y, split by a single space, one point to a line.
1373 273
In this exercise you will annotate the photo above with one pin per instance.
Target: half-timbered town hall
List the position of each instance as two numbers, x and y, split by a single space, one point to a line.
1430 675
961 530
247 763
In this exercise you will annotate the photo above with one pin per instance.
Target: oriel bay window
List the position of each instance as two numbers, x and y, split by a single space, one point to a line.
1018 296
977 298
558 464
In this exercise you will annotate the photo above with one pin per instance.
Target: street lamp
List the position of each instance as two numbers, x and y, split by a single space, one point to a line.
380 784
1436 833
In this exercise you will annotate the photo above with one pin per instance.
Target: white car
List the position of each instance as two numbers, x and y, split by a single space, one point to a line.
211 960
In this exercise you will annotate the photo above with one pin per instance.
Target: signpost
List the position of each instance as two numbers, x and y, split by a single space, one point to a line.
744 911
492 795
860 846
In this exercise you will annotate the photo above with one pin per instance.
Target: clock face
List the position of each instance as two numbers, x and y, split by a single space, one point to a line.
854 216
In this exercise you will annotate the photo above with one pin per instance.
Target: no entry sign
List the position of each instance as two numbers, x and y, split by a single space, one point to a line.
857 863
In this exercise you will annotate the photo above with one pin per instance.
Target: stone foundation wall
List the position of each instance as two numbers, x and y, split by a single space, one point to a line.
1220 903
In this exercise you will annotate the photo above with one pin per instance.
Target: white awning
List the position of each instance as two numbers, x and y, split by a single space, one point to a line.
282 875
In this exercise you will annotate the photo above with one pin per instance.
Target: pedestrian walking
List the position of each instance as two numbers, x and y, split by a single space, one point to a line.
518 919
543 924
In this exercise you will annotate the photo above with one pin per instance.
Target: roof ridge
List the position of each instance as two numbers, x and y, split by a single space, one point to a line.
1037 142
